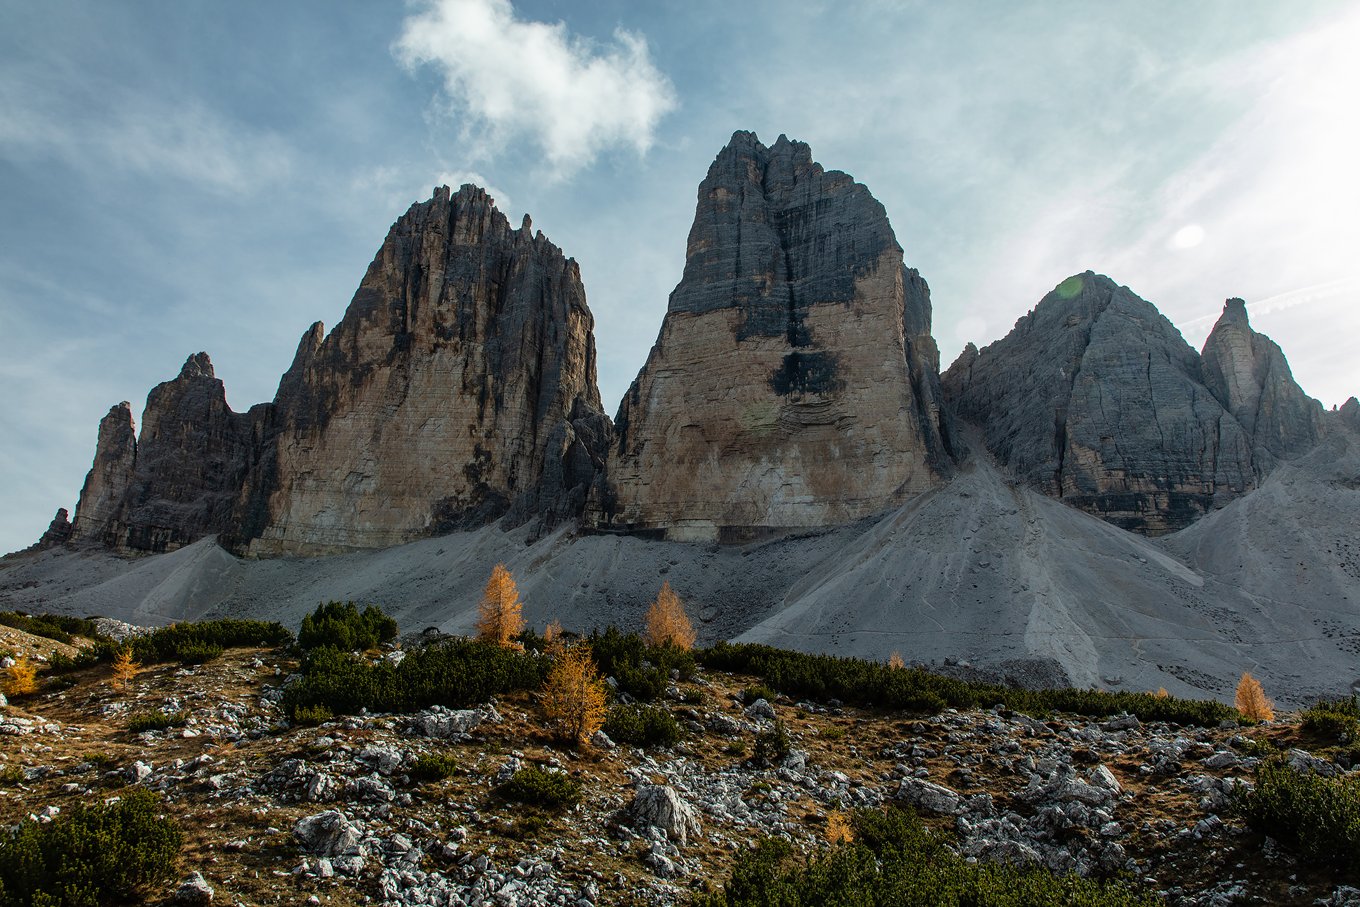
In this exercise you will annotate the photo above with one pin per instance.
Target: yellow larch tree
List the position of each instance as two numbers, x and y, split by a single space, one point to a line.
498 618
552 637
574 695
124 668
896 662
23 678
667 620
1251 700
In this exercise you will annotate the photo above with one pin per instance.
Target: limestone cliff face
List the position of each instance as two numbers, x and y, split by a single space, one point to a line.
106 485
1096 399
794 382
430 406
1248 374
179 480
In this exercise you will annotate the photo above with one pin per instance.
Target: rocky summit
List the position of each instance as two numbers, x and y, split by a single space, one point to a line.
1094 398
795 381
460 385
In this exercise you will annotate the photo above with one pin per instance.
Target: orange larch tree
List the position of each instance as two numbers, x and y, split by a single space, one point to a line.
667 620
498 618
1251 700
574 695
124 668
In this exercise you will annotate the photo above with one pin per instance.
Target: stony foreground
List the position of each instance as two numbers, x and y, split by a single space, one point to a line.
273 814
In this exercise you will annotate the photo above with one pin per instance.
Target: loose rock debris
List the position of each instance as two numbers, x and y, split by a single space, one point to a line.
330 815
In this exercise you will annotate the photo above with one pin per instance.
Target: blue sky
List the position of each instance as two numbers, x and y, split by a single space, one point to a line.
181 176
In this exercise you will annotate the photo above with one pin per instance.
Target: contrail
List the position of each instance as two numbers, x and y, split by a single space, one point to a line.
1282 301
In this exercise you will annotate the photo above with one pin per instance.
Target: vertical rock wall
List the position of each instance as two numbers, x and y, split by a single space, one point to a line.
429 407
794 382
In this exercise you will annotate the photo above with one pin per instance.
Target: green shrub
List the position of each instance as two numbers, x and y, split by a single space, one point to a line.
537 787
312 715
641 725
47 626
774 744
456 673
197 653
11 774
735 748
916 690
894 860
345 627
90 856
1335 718
831 733
751 694
84 658
433 768
642 669
529 826
1318 817
191 640
156 721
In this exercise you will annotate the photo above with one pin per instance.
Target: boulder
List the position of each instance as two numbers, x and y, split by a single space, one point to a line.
194 890
659 806
329 834
928 796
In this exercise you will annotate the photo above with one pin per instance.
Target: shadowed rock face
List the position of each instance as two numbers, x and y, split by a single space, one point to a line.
460 381
794 382
179 481
1095 399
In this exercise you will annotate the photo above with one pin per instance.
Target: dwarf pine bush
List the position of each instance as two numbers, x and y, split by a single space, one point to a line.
642 669
642 725
537 787
914 689
345 627
89 856
1318 817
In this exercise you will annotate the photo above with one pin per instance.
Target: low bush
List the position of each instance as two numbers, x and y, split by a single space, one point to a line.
84 658
1338 719
537 787
890 858
642 669
311 716
43 626
11 774
345 627
457 673
1318 817
90 855
642 725
156 721
183 642
916 690
433 768
772 745
752 694
197 653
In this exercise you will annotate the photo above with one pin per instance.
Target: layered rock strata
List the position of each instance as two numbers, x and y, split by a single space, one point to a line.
460 381
794 382
1096 399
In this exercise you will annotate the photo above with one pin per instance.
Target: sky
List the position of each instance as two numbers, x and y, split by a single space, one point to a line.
178 176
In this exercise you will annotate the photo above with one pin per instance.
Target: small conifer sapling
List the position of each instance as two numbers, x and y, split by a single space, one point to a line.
23 678
574 695
124 668
667 621
498 617
1251 700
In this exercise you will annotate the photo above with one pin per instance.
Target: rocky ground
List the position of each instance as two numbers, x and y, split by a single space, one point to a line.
276 814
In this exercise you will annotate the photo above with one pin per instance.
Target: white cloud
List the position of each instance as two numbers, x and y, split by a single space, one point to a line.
570 96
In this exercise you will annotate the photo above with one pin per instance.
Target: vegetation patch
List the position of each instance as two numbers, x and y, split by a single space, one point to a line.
89 856
774 744
50 626
857 681
889 858
643 670
156 721
1318 817
430 768
642 725
345 627
536 787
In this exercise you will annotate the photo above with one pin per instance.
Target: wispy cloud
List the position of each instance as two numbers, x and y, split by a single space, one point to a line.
180 138
512 79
